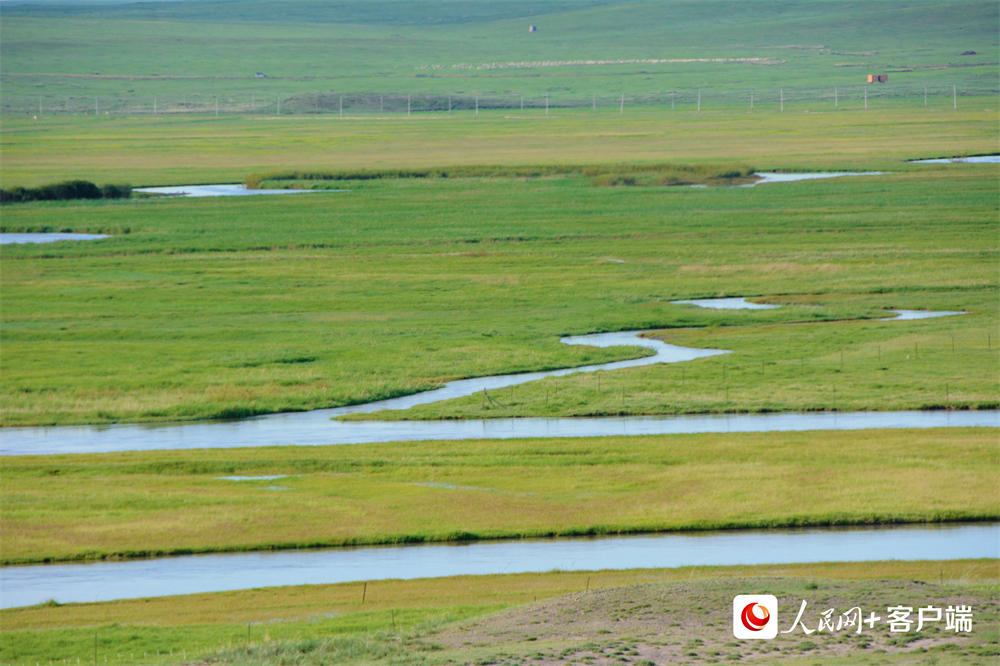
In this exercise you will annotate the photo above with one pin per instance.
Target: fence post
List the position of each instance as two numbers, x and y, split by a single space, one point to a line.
594 102
954 96
699 100
279 104
621 111
546 106
217 105
408 106
477 104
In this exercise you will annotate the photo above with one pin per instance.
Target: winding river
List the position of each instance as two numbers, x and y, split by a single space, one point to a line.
28 585
316 428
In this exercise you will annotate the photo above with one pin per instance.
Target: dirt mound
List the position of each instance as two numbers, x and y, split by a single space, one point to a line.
691 622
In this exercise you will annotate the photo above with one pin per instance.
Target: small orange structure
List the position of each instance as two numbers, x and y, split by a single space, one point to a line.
878 78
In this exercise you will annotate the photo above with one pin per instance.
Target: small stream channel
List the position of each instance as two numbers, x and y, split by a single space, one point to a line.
105 581
316 428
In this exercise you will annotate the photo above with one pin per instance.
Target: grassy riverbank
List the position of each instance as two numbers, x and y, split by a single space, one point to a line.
166 502
659 615
233 307
167 150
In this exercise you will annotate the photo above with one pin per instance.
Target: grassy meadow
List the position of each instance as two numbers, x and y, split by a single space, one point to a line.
184 150
639 616
220 308
214 308
188 53
156 503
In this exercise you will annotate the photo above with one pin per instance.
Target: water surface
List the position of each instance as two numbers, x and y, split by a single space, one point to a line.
727 304
906 315
979 159
316 429
104 581
11 239
218 191
766 177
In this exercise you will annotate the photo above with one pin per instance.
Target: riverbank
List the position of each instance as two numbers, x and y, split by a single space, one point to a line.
177 502
663 614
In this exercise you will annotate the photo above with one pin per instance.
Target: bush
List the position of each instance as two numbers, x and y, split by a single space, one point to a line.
116 191
65 191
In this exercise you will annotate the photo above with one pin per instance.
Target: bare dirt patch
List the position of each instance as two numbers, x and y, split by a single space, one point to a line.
691 622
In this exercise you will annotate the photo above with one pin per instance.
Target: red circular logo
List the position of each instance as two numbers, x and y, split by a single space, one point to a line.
752 620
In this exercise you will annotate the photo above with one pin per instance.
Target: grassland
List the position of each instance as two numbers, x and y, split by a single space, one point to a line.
159 503
145 150
230 307
186 53
653 615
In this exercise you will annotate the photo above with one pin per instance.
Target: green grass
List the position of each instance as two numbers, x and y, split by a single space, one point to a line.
223 307
202 49
602 175
159 503
143 150
440 619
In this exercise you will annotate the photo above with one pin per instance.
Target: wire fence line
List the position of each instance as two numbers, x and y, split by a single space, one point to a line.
334 103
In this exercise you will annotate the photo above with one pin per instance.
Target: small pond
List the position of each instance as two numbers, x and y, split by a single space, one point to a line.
979 159
767 177
727 304
11 239
232 190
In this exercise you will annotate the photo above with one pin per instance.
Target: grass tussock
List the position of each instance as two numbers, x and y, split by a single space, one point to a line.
601 175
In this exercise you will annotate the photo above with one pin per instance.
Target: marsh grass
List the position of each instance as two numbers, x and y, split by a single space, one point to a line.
68 507
186 150
601 175
223 308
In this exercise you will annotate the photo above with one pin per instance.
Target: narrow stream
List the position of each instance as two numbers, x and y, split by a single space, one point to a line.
316 428
105 581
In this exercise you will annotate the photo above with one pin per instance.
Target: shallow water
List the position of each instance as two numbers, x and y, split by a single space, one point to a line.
22 586
979 159
727 304
316 429
794 177
13 239
906 315
218 191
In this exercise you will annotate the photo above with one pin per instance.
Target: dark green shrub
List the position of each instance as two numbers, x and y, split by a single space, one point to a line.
116 191
65 191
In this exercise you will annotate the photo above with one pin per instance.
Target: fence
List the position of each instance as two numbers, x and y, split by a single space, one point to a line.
333 103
